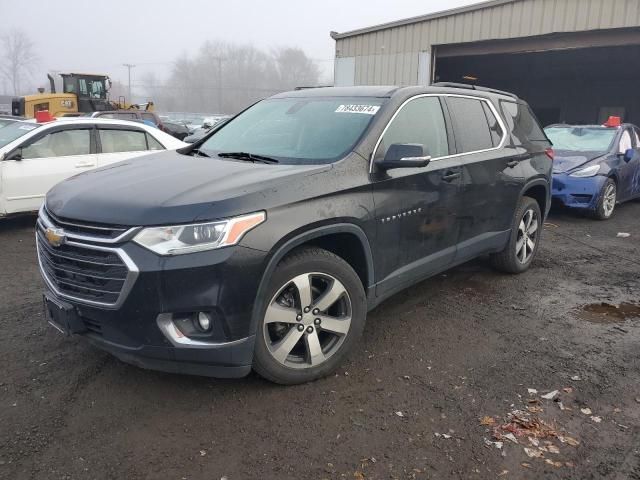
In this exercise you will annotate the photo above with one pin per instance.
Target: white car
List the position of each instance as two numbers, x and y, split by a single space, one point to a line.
34 157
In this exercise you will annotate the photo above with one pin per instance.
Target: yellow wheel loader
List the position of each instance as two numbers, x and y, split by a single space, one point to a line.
81 93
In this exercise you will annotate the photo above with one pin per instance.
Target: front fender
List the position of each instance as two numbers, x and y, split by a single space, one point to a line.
280 251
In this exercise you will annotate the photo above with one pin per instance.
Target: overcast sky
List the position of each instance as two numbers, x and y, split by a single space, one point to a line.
100 36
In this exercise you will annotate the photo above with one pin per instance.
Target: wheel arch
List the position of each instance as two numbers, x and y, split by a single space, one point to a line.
539 190
336 238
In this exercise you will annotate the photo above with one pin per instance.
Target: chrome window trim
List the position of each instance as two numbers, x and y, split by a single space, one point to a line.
505 135
126 287
48 222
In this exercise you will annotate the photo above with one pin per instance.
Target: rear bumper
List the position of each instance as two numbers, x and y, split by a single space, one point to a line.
572 192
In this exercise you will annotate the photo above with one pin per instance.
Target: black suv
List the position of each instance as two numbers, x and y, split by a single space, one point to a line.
264 244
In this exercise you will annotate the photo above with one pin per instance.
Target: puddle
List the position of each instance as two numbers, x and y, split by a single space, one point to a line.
608 313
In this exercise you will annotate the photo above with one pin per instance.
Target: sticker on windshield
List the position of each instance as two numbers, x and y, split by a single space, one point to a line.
366 109
27 127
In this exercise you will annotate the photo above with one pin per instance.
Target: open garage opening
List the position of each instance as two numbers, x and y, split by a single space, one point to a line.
574 85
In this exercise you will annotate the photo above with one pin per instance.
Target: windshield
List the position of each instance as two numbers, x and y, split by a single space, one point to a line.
297 130
581 139
17 129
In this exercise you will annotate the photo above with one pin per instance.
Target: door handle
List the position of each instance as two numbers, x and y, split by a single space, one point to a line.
85 164
513 163
450 177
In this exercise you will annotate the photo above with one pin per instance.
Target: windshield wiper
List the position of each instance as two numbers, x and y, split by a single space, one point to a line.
250 157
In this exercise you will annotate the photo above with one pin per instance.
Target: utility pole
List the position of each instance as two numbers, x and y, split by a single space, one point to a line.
129 67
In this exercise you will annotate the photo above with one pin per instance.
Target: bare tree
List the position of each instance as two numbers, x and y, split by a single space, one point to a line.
225 78
18 58
295 69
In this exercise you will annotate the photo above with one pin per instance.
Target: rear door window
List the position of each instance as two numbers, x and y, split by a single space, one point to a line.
420 121
115 141
494 125
471 125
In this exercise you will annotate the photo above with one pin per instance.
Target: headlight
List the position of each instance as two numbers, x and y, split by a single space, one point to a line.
198 237
587 172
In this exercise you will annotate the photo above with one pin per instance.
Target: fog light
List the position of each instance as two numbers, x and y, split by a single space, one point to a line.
204 321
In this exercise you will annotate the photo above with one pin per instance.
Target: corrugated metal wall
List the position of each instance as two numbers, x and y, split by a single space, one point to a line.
390 56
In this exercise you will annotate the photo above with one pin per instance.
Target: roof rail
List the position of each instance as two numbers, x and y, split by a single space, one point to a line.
316 86
469 86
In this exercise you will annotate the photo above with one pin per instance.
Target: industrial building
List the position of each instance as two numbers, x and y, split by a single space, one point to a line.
574 61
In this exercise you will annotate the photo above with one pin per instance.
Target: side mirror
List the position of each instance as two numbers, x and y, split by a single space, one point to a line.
404 155
629 154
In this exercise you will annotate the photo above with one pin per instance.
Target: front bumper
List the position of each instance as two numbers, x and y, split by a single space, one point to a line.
228 360
223 281
573 192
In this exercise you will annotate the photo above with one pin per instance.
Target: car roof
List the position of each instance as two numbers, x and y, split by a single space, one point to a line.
123 110
364 91
392 90
92 121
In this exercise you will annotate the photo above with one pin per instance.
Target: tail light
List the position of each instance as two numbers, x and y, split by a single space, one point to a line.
550 153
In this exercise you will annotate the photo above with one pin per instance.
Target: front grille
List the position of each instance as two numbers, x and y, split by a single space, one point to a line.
83 273
80 270
98 231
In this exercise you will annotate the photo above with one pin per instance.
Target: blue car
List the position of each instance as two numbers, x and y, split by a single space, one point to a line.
596 167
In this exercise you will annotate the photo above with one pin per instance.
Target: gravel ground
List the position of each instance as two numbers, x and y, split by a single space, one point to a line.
433 363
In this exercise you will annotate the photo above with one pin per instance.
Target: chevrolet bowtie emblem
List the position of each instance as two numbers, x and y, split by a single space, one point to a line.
55 236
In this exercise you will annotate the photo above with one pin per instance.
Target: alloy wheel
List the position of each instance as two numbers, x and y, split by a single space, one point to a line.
307 320
527 236
609 201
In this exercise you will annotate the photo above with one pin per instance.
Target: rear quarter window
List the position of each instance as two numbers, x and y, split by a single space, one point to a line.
522 122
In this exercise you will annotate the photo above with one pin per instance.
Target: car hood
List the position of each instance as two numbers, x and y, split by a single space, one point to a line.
566 160
170 188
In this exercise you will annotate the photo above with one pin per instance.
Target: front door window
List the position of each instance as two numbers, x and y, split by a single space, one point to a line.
60 144
421 121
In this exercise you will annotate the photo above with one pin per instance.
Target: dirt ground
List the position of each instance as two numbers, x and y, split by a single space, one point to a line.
433 363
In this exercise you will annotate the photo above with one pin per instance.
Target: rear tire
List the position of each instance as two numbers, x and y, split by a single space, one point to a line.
314 316
524 239
607 202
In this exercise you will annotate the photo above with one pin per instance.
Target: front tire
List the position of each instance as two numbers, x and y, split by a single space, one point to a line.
315 314
524 239
607 202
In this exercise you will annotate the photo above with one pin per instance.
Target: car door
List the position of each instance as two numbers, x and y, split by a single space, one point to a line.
117 143
490 181
416 208
44 160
